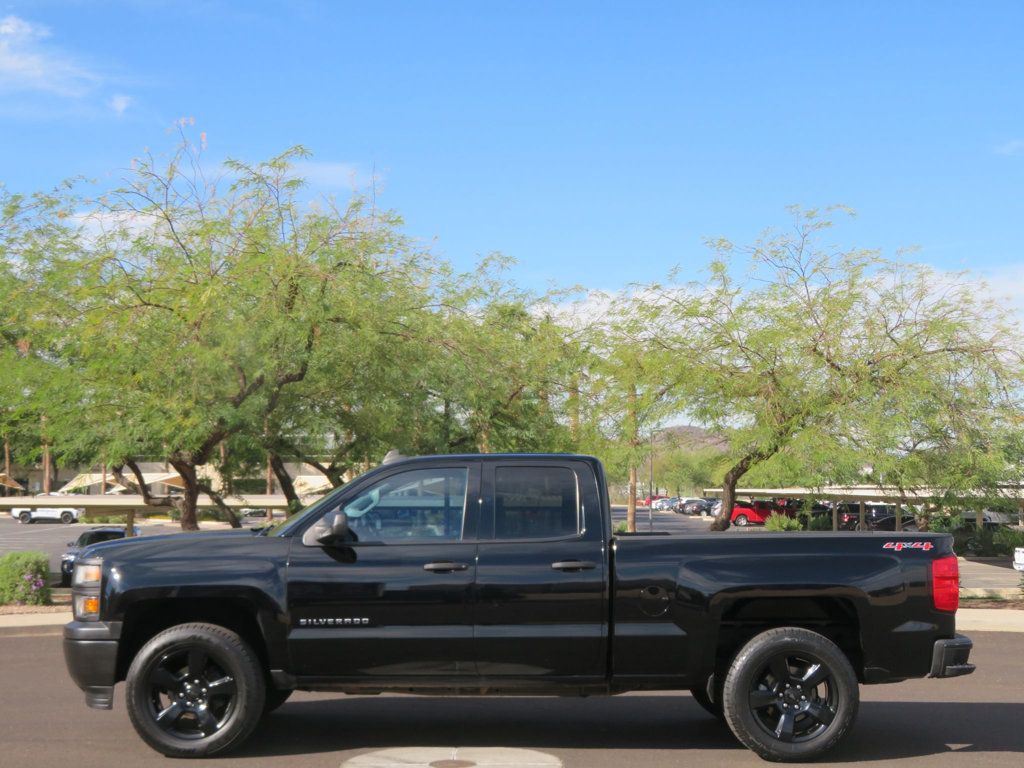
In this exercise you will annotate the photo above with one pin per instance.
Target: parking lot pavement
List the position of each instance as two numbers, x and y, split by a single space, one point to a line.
989 574
965 722
53 537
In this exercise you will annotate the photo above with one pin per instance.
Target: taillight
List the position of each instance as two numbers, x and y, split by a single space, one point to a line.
946 583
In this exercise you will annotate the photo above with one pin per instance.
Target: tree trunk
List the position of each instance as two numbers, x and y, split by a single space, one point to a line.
484 439
633 433
631 502
103 479
129 523
270 477
729 482
223 508
722 520
285 481
7 462
574 408
187 503
46 468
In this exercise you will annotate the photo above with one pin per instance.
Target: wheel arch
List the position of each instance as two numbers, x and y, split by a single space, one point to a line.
836 618
146 618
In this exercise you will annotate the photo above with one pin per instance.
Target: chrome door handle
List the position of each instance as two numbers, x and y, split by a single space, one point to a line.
573 565
445 566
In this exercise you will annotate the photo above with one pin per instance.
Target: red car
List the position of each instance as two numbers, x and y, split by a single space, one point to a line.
647 501
756 512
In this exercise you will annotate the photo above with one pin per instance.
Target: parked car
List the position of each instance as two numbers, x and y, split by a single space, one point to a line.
991 520
28 515
694 506
849 514
889 523
666 502
756 512
88 538
394 582
650 500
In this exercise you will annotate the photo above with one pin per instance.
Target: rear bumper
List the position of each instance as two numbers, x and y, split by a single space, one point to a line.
949 657
90 652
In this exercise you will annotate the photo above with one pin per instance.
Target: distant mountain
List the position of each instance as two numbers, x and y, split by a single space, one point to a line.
692 438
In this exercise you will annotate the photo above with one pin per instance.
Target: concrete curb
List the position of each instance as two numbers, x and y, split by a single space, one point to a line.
990 620
34 619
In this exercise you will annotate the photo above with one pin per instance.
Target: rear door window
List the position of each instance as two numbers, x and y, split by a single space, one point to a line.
535 503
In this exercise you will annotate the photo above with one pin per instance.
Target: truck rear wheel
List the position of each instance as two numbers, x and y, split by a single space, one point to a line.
790 695
195 690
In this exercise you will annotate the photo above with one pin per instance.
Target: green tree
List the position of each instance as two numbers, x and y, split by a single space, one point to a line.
182 309
834 357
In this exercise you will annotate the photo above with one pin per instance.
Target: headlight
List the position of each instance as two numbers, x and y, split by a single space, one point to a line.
87 574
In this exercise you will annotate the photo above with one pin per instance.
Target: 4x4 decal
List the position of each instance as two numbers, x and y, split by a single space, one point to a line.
900 545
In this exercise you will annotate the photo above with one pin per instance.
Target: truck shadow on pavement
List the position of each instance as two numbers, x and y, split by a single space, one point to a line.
884 730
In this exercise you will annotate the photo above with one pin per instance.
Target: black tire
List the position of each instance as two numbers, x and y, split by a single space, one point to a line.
790 695
709 704
275 698
25 518
67 518
195 690
741 520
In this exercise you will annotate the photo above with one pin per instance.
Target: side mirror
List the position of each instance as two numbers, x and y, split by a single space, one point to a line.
329 530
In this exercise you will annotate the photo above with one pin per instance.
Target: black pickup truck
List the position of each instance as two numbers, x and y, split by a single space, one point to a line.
500 574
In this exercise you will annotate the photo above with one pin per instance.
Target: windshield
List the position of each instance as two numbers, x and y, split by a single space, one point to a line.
289 524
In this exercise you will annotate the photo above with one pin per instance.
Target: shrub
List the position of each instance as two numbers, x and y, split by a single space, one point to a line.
23 578
945 524
782 523
1008 539
621 527
820 523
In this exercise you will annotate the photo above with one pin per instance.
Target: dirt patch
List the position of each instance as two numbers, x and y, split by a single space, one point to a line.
1016 605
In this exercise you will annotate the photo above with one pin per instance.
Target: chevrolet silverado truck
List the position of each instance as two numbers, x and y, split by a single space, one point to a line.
500 574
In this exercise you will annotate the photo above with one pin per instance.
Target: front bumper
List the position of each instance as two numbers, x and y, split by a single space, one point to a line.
949 657
90 652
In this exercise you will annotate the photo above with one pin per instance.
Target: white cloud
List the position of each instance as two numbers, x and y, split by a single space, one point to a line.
330 175
29 63
119 103
1006 285
1013 147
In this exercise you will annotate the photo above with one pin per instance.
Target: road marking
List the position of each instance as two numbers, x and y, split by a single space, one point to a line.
453 757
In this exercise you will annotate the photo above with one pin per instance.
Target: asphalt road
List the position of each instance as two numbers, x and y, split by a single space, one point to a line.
958 723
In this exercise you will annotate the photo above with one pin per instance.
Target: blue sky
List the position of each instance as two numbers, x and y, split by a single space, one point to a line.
596 143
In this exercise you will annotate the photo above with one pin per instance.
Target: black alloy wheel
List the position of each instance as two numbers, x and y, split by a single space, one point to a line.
195 690
794 697
190 695
790 694
67 518
25 518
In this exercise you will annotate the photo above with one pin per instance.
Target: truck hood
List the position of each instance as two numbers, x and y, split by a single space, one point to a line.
141 546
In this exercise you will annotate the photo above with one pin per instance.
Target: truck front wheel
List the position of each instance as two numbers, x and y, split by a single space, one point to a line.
195 690
790 694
